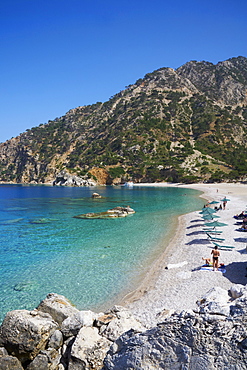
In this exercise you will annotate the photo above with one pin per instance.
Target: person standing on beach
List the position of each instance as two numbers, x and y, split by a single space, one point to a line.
216 255
224 203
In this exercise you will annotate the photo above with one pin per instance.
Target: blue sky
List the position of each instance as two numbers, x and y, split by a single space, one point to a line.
60 54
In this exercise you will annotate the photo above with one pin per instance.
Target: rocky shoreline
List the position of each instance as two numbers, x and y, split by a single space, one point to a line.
57 336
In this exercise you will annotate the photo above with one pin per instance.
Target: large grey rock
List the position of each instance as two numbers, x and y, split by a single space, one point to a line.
237 290
46 359
10 363
3 351
25 333
73 324
88 350
119 320
56 340
238 307
58 307
182 342
40 362
215 301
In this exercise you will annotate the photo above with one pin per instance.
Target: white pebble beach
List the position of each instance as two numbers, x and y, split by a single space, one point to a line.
182 285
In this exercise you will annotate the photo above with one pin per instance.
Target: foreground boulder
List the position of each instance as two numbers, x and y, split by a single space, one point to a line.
10 363
57 336
58 307
212 337
88 350
25 333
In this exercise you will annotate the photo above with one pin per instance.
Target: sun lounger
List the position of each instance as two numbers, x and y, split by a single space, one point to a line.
242 229
222 246
212 231
213 238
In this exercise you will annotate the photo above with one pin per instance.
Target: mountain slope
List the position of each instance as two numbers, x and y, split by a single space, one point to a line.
187 124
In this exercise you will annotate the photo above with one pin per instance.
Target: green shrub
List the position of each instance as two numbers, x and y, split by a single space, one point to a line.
116 172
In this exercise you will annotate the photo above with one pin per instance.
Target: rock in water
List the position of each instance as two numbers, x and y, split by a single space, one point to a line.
111 213
96 196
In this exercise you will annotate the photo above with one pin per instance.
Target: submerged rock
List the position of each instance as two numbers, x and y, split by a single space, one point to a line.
24 286
42 220
111 213
13 221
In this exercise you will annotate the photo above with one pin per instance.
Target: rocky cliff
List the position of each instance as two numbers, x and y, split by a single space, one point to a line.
57 336
187 124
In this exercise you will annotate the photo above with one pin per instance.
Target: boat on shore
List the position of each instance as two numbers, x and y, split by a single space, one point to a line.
129 184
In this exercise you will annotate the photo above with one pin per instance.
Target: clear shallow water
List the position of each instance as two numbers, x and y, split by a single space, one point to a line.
44 249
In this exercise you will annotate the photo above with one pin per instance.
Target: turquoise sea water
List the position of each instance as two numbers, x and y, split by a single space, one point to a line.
43 249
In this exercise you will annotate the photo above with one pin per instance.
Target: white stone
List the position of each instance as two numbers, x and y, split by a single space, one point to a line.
176 265
73 324
88 346
236 290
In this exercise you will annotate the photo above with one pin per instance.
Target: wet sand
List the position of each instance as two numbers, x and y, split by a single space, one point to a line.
183 283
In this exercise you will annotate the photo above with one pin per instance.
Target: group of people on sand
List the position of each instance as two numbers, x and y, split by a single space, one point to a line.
215 257
242 216
223 206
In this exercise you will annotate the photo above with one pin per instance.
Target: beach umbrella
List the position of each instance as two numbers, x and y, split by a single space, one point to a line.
225 200
207 211
209 217
215 224
214 202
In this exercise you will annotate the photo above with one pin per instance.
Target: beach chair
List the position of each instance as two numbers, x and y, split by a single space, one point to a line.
212 231
213 238
242 229
228 247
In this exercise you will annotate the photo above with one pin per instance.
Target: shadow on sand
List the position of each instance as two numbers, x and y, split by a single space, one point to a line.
241 240
192 226
198 241
236 272
196 233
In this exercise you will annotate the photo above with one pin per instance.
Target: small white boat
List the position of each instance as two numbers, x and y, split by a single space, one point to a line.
129 184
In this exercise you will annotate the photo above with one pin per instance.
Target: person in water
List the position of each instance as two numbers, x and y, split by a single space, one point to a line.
216 255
